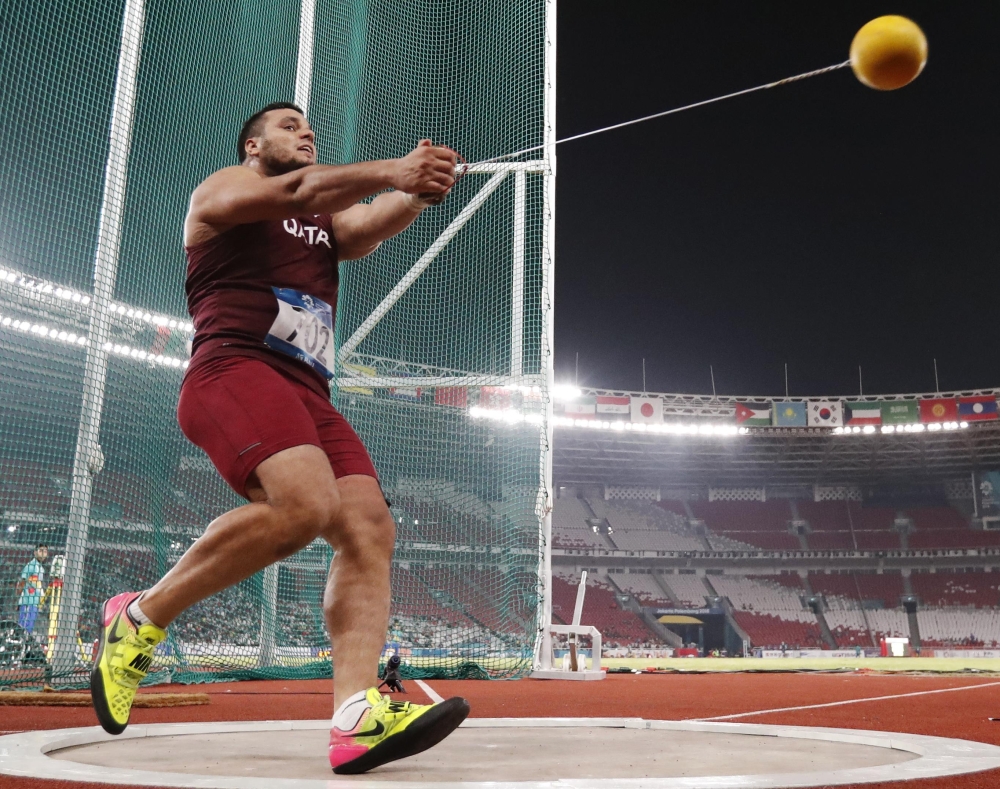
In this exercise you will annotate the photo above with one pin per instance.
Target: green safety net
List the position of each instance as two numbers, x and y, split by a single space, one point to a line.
447 388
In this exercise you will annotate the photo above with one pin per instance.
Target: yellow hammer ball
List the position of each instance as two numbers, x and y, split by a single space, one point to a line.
889 52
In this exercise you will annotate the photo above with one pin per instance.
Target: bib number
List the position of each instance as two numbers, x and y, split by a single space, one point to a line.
303 330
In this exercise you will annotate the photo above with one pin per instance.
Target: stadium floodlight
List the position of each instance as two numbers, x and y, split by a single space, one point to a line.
869 429
563 392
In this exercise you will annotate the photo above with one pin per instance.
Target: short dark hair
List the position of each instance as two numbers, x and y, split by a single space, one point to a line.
253 125
41 545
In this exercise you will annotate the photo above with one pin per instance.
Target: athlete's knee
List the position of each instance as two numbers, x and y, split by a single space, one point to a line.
304 516
370 536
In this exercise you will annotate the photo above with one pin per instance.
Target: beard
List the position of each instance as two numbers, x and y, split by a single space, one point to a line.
278 163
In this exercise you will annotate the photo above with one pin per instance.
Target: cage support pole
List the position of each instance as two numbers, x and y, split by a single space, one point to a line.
304 63
303 91
517 278
543 643
88 458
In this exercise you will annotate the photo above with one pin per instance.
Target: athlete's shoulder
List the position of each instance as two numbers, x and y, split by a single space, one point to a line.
229 175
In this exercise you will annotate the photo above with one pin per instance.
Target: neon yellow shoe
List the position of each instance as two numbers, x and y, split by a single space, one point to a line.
390 730
123 660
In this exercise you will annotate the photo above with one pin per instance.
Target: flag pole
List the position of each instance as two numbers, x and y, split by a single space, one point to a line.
711 372
644 375
861 383
937 384
786 379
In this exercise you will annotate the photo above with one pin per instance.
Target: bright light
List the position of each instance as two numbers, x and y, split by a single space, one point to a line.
671 428
869 429
508 415
563 392
35 285
40 330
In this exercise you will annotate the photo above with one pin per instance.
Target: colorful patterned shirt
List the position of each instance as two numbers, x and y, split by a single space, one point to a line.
33 576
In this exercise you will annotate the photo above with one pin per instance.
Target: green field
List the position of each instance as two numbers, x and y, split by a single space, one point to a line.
921 665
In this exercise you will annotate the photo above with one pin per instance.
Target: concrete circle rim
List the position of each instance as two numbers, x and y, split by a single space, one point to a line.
25 755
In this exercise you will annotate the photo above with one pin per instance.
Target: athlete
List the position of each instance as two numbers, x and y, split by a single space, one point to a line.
263 242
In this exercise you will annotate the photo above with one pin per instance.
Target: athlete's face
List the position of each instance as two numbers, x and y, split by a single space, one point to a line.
287 142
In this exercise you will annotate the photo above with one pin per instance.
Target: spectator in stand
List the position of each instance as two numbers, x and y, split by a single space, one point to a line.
31 587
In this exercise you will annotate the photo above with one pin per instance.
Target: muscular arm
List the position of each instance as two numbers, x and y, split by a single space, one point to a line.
240 195
360 229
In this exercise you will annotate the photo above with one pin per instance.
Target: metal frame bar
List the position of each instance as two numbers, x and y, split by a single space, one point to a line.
421 265
88 458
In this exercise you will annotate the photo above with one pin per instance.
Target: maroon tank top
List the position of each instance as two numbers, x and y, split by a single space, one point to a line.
231 288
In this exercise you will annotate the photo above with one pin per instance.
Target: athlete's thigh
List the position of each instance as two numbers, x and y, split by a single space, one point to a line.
300 472
241 412
343 446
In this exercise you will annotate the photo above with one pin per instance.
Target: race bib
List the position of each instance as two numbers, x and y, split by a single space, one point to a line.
303 329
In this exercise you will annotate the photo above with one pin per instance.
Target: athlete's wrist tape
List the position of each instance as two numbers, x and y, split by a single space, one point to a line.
418 203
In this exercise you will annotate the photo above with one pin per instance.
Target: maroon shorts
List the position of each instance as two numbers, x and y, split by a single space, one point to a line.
242 410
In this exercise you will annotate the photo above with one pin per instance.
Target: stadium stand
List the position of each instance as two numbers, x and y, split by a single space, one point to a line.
976 589
570 528
846 594
688 589
656 541
770 610
643 587
943 627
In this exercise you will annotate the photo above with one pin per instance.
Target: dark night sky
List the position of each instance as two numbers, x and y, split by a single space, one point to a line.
821 224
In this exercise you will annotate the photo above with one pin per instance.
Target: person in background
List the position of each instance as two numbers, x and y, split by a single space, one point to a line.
31 587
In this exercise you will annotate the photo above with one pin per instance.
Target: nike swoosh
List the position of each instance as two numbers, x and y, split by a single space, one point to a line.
113 637
379 728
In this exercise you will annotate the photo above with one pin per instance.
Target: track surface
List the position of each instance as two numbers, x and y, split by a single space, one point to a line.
964 713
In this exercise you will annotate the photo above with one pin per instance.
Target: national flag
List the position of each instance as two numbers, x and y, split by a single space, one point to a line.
939 409
406 392
750 414
789 414
977 409
582 408
826 413
607 404
646 409
900 412
457 396
863 413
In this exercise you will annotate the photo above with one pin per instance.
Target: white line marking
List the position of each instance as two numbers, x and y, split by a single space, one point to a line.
841 703
437 699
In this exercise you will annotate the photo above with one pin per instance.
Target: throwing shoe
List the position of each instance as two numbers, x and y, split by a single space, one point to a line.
390 730
123 659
